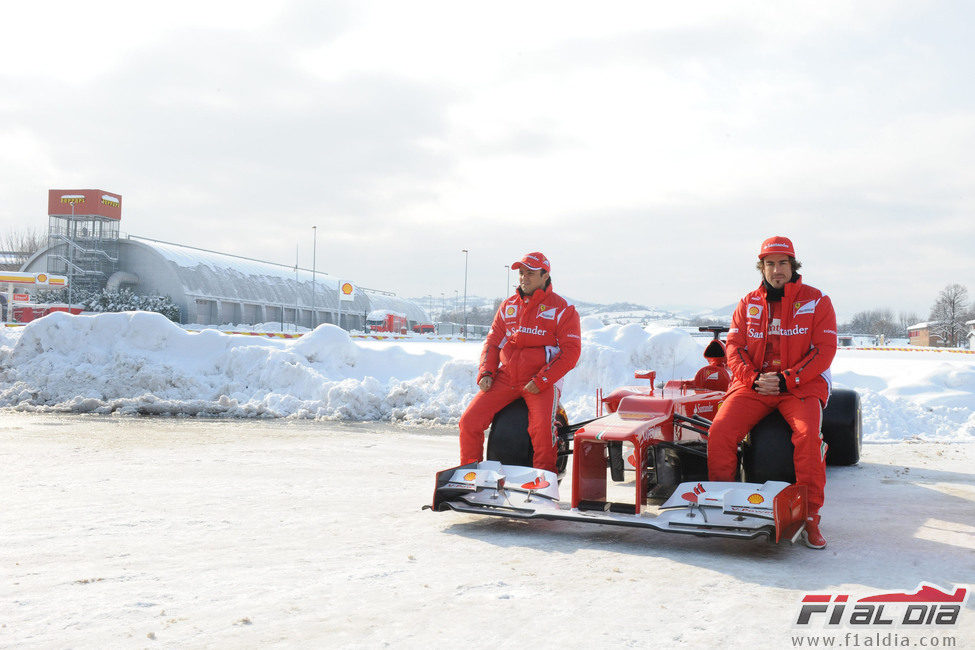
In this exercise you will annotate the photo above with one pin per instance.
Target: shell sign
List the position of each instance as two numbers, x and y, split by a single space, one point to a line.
346 291
42 280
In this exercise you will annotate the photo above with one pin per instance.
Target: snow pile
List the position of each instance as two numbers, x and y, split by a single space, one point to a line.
141 363
137 362
924 395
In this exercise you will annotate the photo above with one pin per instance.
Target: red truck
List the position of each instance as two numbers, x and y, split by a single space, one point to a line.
424 328
387 321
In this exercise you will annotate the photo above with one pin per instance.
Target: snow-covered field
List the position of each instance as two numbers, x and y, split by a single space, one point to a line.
140 363
297 523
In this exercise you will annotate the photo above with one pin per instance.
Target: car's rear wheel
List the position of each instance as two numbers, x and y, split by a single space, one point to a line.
843 427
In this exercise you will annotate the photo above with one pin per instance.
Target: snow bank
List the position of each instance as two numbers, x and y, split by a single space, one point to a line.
923 395
141 363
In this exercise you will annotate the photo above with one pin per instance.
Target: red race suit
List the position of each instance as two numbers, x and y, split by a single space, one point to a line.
533 338
795 337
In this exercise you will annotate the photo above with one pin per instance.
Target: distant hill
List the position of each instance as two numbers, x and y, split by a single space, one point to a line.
613 313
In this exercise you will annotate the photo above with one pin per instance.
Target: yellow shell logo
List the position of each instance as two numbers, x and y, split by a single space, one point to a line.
41 277
470 476
347 288
756 499
753 311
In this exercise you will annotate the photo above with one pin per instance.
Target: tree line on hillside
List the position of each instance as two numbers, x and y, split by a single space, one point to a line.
482 315
947 319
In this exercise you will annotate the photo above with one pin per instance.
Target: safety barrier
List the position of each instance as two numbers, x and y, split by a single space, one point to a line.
885 349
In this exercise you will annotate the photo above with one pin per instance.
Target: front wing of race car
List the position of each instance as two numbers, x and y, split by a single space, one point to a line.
738 510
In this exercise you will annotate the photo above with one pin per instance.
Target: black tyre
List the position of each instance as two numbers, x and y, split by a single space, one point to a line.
510 444
843 427
766 455
508 440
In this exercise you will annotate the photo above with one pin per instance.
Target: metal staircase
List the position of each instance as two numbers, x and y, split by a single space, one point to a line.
83 248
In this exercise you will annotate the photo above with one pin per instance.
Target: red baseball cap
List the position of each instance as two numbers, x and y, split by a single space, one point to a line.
774 245
533 261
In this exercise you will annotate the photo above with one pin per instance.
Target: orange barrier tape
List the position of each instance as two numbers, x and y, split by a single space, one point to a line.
270 335
952 350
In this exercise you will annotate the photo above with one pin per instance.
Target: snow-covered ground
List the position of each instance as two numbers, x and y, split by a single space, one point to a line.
195 532
140 363
289 526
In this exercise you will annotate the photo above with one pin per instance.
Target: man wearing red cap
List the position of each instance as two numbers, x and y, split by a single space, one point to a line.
781 343
534 341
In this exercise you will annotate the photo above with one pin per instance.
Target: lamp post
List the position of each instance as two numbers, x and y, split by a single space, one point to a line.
70 255
314 298
465 251
507 286
296 287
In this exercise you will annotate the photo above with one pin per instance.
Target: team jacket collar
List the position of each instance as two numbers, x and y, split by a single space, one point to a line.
790 289
538 294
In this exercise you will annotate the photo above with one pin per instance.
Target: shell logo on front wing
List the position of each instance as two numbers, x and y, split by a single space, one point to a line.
470 476
756 499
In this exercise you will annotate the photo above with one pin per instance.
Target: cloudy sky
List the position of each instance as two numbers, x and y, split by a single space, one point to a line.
647 148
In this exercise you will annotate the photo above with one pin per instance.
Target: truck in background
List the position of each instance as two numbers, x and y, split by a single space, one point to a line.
387 321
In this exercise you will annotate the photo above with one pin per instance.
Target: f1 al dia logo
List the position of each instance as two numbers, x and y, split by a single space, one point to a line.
928 605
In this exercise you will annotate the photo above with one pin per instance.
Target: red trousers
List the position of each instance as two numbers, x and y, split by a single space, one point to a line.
743 409
541 421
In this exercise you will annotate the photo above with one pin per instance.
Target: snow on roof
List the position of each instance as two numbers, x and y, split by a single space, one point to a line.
412 311
192 258
204 273
380 314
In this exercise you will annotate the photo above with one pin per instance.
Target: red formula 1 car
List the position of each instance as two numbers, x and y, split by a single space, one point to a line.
660 433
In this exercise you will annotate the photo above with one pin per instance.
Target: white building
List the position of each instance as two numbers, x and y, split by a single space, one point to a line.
214 288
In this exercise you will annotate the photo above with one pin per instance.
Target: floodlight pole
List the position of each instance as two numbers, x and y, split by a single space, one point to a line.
296 287
314 300
465 251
